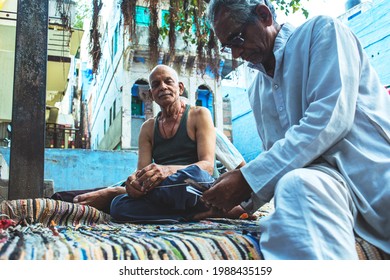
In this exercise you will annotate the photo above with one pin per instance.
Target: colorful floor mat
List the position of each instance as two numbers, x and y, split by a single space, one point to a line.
208 240
50 229
44 229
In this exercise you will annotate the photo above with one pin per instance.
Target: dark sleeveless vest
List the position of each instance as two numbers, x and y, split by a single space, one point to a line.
177 150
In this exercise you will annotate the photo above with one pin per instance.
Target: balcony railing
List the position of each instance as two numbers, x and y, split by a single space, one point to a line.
60 136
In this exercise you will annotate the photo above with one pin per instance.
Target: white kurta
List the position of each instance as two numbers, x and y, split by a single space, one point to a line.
324 103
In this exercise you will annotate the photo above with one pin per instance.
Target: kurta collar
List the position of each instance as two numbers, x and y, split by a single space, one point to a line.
280 42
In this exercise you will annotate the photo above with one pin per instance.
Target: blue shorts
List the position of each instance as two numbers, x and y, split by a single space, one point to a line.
164 205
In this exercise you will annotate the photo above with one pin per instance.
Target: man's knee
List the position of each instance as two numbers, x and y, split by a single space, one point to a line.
318 184
292 181
301 181
118 207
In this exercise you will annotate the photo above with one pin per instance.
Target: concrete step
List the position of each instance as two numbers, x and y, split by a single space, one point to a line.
48 189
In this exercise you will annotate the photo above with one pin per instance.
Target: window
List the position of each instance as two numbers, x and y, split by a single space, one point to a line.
136 106
165 18
354 15
137 103
114 110
110 117
115 38
142 16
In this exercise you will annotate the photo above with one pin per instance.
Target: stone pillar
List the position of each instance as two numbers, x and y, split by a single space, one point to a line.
29 101
126 111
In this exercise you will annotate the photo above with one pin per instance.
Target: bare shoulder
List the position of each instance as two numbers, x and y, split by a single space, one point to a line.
199 118
148 124
199 112
147 128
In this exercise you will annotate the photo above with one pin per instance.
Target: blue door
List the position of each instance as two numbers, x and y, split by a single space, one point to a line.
205 99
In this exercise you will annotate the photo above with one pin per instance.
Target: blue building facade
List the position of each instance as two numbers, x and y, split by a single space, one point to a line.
372 27
78 169
244 133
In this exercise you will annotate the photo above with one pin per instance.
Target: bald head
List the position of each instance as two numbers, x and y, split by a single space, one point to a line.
165 87
161 68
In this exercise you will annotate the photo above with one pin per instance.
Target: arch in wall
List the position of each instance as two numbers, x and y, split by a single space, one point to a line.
205 98
139 97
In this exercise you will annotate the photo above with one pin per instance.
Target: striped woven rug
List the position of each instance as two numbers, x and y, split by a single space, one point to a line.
45 229
130 242
50 229
49 211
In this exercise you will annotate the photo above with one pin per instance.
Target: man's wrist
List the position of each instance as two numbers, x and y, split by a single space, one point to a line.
116 191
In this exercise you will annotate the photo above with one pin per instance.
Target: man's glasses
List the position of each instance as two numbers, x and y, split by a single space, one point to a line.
236 41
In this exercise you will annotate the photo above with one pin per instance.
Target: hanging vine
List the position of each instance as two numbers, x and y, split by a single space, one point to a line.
187 18
213 56
189 21
173 18
63 10
129 12
153 32
94 38
200 42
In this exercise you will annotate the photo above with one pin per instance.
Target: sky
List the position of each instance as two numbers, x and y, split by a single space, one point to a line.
315 7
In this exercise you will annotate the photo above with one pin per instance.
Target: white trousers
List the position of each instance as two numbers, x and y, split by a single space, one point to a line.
313 218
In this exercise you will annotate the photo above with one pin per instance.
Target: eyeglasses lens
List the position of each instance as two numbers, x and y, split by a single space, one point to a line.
237 41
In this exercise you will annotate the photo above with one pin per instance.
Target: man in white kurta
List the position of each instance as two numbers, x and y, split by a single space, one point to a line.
324 119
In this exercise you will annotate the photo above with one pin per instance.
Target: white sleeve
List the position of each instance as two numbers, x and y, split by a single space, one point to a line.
226 152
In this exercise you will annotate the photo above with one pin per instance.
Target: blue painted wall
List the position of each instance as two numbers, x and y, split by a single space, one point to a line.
76 169
245 136
373 30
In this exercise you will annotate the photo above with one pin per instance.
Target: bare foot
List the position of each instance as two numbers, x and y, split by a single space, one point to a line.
100 199
238 213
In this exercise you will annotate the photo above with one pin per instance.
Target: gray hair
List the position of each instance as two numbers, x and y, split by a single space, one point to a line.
243 9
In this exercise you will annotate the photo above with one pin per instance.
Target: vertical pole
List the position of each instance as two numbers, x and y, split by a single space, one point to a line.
126 111
29 101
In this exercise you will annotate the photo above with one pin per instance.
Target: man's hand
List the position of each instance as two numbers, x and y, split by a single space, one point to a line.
133 187
152 175
146 179
228 191
236 213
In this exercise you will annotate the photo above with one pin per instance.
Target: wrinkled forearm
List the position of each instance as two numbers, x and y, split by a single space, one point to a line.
206 165
115 191
203 164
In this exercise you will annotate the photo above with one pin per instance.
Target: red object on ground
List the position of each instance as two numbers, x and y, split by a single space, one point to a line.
4 224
